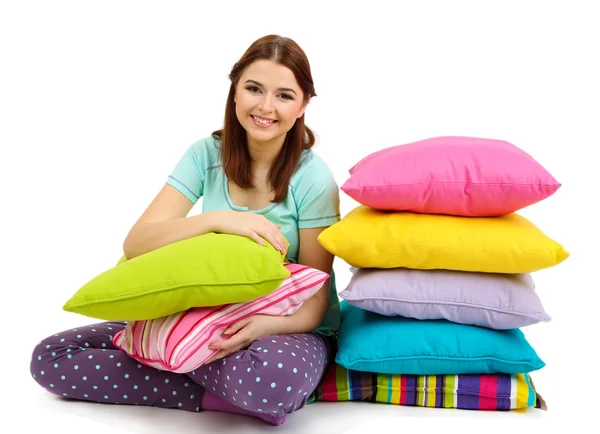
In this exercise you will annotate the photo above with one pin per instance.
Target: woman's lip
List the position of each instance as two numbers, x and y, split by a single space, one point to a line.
258 124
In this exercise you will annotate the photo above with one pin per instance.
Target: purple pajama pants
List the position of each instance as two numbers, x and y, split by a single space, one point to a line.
270 379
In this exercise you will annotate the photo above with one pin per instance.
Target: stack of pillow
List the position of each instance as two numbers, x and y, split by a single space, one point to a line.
178 299
441 283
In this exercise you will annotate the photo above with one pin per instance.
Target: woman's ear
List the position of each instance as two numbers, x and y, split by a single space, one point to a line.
303 109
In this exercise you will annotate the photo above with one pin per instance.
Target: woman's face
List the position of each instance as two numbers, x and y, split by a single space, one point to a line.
268 100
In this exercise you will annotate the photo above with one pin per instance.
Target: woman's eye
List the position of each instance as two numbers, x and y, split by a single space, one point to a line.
286 96
253 89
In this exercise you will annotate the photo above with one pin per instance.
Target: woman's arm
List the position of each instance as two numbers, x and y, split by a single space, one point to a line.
312 312
306 319
165 222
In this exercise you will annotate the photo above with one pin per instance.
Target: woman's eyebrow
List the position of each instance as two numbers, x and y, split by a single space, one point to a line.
281 88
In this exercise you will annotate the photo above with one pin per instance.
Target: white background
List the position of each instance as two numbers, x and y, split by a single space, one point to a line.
99 100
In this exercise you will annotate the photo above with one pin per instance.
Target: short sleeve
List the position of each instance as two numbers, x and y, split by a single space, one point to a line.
317 195
188 174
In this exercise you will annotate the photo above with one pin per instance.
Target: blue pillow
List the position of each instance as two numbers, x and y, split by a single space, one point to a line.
371 342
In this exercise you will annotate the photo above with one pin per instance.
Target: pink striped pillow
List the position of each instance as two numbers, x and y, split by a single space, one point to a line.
179 342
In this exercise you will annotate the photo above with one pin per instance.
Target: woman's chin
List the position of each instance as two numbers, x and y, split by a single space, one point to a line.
263 136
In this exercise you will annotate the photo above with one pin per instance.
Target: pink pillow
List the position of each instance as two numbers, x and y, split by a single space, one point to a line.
464 176
179 342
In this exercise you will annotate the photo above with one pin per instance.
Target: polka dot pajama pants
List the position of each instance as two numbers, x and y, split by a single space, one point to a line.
274 376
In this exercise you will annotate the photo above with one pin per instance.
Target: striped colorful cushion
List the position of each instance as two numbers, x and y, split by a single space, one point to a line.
179 342
468 392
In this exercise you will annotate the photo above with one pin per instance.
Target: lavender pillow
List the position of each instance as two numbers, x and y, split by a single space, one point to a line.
493 300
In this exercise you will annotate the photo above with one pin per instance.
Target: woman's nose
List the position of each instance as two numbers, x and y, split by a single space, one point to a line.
266 104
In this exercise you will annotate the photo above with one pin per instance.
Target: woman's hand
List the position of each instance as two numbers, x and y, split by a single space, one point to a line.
250 225
244 332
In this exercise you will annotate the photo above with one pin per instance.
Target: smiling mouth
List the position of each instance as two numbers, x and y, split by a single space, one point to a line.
262 122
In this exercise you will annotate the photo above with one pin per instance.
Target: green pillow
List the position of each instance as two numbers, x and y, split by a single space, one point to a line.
206 270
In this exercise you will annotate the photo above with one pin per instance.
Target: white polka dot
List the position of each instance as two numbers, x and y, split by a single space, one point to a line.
280 365
273 385
258 379
288 388
249 393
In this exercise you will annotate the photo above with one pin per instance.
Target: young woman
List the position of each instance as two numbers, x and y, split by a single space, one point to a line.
258 178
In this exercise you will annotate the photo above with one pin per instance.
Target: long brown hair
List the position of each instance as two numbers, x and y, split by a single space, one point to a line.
234 146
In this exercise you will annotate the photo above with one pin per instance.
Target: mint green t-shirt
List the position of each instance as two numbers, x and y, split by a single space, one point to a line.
312 201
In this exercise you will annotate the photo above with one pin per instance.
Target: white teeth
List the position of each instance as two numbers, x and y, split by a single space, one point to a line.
261 120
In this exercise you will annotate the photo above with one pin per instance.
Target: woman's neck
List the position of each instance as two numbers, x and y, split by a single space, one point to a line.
263 154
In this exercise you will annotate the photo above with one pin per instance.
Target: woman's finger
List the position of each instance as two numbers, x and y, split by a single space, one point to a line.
254 236
272 238
237 326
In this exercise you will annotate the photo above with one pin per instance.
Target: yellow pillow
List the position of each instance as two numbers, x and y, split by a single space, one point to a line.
366 237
